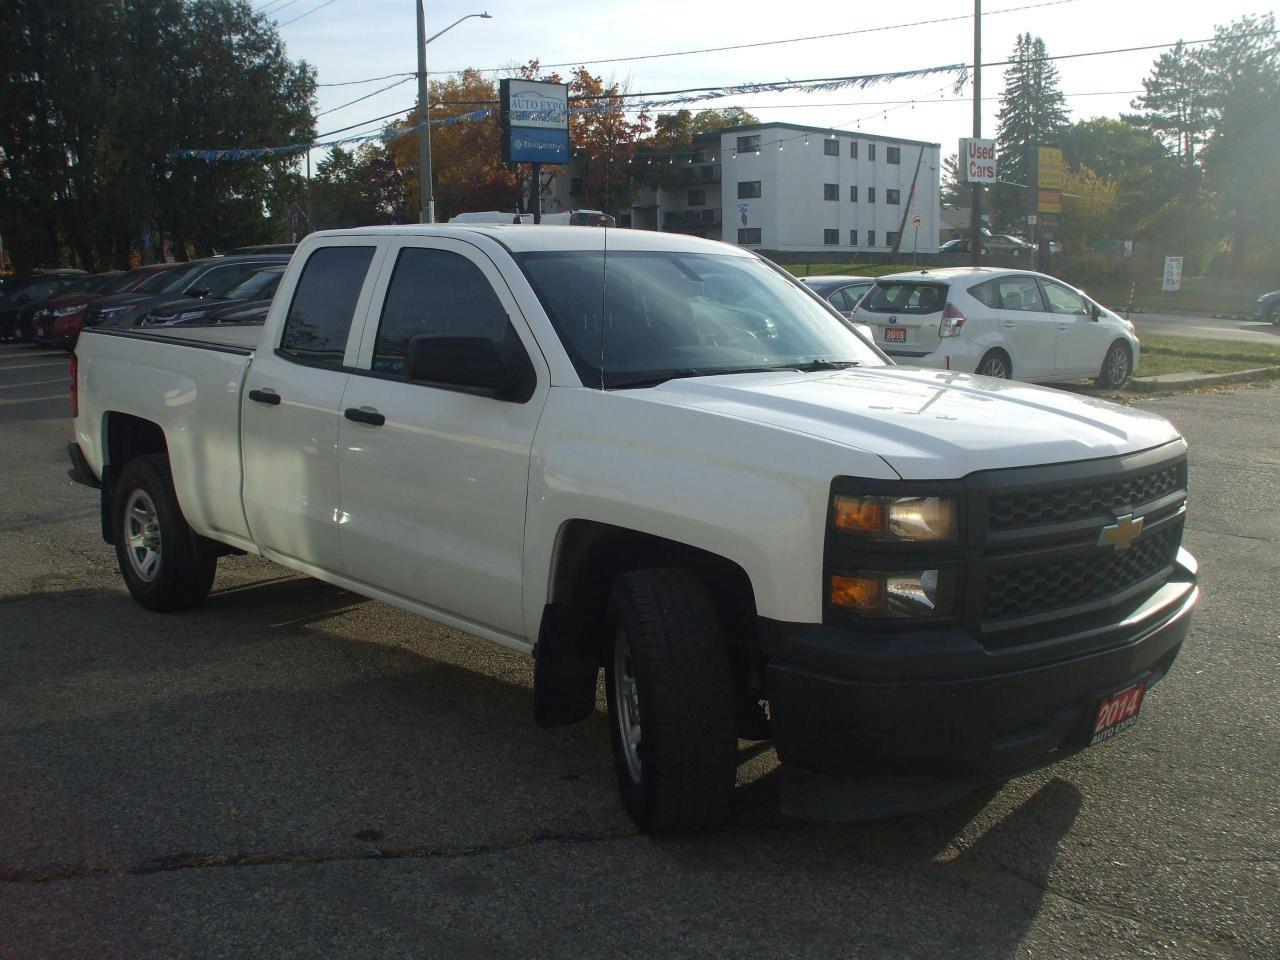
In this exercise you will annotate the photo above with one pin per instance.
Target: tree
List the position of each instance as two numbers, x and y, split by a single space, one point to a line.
1089 209
357 188
953 192
1173 104
1146 177
1033 112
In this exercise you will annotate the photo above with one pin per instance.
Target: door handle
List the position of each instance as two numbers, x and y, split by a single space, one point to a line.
362 415
1010 324
269 397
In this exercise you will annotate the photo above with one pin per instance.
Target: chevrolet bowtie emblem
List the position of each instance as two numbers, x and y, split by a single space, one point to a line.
1121 533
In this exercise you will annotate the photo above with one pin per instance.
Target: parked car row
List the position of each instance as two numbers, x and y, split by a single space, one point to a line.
51 307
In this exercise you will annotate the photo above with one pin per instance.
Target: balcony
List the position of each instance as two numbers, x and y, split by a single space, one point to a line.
707 173
686 219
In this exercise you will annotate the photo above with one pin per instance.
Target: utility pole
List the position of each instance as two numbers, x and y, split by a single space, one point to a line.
426 199
975 214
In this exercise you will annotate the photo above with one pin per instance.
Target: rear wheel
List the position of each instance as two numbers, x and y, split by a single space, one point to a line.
165 564
671 709
1274 315
995 363
1116 366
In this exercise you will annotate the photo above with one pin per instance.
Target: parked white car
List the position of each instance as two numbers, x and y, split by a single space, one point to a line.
999 323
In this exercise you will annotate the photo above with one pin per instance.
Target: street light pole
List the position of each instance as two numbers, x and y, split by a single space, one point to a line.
975 213
426 197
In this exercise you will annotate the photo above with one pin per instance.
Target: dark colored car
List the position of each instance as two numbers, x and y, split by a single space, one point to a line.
1269 307
195 279
28 290
285 248
244 313
57 320
259 285
843 293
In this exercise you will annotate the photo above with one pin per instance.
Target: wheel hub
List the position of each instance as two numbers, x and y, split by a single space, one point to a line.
142 535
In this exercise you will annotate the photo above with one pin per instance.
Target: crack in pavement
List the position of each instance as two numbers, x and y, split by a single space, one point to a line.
184 861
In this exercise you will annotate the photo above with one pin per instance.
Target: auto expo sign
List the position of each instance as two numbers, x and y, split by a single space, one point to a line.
978 160
535 121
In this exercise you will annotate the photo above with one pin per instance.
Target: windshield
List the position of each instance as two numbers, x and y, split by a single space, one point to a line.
118 283
179 278
156 282
670 315
256 286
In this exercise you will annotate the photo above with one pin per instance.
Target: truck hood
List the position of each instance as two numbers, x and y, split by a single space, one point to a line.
927 424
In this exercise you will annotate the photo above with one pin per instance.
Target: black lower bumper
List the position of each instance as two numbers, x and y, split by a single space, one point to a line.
80 470
889 723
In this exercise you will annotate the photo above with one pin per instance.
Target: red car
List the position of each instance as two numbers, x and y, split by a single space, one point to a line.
57 321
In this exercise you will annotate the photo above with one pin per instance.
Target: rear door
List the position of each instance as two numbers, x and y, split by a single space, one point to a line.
292 404
433 490
1028 328
1081 340
904 314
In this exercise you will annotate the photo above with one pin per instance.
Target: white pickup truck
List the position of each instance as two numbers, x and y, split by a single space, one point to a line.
663 457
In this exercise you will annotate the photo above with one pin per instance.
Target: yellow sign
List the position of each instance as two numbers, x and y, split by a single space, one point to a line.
1049 168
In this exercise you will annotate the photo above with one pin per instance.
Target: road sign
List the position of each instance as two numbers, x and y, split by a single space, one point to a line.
1172 275
917 220
1031 220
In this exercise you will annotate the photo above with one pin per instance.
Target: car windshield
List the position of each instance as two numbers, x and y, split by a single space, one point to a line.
256 286
905 297
179 278
659 315
118 283
156 282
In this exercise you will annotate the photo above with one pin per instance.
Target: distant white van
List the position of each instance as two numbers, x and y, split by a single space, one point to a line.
492 216
574 218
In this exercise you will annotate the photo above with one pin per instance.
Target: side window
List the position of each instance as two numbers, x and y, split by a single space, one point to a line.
220 278
986 294
1062 300
1020 293
442 294
319 320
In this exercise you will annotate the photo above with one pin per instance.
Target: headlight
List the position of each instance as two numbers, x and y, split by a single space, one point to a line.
905 519
66 311
896 593
111 311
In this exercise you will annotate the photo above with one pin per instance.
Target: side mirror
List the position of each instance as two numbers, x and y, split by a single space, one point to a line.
467 362
197 292
1095 311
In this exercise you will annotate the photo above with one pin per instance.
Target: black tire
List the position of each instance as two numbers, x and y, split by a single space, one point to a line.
995 363
1117 365
687 758
179 572
1274 315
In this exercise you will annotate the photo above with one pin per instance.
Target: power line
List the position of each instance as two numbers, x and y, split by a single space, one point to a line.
352 83
400 82
275 6
307 14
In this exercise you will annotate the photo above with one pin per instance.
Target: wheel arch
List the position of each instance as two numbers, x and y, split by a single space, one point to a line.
125 436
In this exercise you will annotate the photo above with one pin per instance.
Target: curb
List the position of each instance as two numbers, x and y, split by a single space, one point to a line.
1181 381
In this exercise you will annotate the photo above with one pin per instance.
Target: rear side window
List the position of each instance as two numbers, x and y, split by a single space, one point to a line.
905 298
1020 293
441 294
985 293
319 320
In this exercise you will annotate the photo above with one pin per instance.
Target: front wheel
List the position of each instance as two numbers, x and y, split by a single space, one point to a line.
671 710
1116 366
165 564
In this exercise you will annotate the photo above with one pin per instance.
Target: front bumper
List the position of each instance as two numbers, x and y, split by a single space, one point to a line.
875 724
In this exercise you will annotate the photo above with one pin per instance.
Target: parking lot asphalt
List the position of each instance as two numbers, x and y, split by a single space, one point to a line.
294 771
1253 330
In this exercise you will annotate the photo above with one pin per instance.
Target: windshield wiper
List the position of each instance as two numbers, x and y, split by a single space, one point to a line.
819 364
653 379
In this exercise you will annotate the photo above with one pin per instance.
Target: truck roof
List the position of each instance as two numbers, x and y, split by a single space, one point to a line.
526 238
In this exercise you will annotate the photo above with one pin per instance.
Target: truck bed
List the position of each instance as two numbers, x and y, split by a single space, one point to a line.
237 339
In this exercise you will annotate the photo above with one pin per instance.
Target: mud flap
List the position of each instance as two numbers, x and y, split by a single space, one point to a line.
564 684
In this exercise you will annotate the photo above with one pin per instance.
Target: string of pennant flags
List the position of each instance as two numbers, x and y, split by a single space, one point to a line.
678 98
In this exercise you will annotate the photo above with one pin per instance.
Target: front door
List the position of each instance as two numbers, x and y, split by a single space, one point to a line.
434 478
291 407
1027 326
1082 341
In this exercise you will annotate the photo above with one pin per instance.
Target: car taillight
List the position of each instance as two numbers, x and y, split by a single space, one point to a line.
73 367
952 321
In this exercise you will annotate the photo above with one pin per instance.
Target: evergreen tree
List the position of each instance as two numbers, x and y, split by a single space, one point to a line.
1033 112
953 192
1173 104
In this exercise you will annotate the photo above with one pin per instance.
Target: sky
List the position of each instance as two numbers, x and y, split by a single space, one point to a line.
356 39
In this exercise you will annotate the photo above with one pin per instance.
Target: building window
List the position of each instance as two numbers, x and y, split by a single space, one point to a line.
871 151
853 193
831 148
831 191
831 237
697 198
749 235
853 238
853 149
892 155
893 197
749 144
891 238
871 194
871 238
748 189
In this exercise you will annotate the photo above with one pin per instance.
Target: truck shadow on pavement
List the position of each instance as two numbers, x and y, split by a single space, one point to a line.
265 728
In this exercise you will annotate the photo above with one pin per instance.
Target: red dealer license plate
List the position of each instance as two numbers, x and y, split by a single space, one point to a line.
1118 712
898 334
